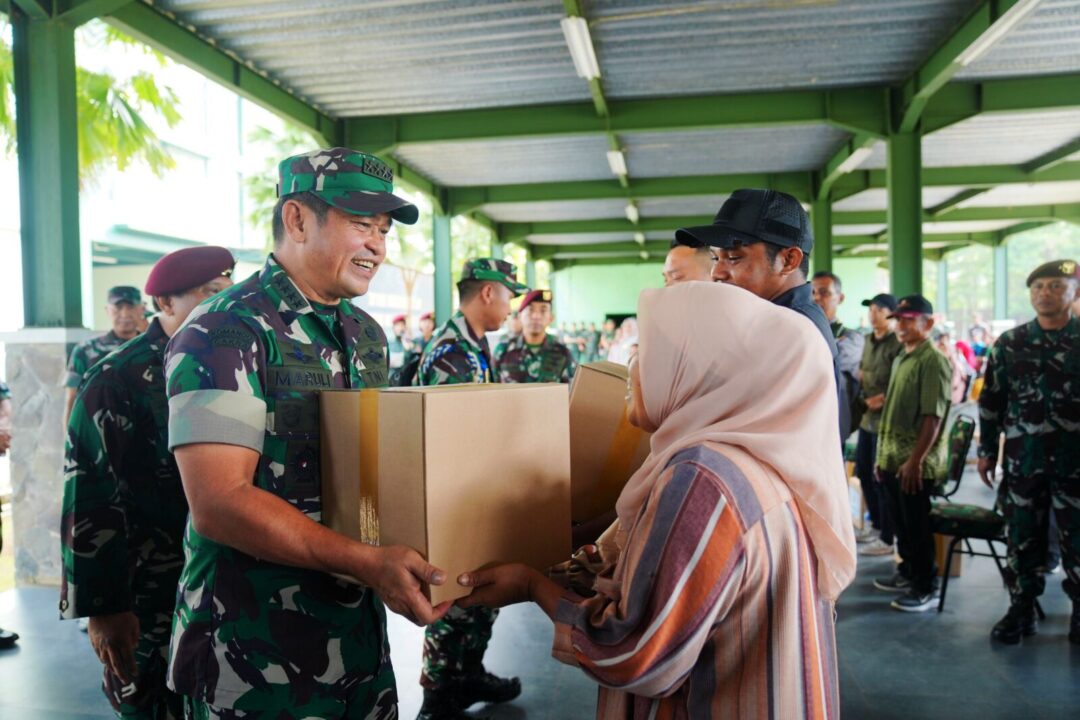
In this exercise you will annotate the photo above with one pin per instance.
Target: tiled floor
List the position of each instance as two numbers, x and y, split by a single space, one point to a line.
893 665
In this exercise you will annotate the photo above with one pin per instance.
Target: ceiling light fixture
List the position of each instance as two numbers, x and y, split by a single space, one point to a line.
632 213
617 162
639 238
576 31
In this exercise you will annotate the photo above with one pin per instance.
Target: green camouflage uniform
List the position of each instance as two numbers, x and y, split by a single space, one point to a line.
87 353
123 515
454 646
252 638
1032 394
516 361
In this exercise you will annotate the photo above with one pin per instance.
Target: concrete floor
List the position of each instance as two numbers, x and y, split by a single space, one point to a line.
893 665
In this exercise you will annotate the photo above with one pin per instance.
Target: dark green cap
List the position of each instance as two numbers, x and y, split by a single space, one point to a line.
352 181
1054 269
494 270
124 294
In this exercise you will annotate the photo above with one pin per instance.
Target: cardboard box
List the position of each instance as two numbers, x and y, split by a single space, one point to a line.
605 449
941 548
468 475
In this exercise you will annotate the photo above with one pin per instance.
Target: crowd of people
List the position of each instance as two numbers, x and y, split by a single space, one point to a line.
191 534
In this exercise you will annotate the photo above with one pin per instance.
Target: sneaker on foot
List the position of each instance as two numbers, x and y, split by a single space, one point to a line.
7 638
1074 624
867 534
915 601
877 547
895 583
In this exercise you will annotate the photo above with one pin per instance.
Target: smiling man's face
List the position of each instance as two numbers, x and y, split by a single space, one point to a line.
346 252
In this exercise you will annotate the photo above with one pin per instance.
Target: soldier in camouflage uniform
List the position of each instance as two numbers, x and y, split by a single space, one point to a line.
126 310
124 510
7 638
1032 394
453 675
534 356
264 626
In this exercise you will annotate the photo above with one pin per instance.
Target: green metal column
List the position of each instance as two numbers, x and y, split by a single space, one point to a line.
821 219
942 302
530 272
1001 281
903 177
444 299
47 137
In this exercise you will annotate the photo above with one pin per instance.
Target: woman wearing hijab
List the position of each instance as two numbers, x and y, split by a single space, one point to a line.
733 539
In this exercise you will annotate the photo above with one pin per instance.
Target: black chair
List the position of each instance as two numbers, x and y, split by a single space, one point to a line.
965 522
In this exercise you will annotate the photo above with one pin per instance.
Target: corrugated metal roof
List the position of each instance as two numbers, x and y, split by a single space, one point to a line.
589 238
1055 193
736 150
878 198
506 162
554 210
1046 43
993 139
648 48
971 226
394 56
842 230
703 205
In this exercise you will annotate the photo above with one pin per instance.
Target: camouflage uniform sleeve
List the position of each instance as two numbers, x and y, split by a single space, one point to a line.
212 380
992 401
447 364
570 368
500 350
77 366
93 525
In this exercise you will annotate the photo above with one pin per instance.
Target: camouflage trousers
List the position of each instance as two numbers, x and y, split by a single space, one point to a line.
455 645
1027 500
147 698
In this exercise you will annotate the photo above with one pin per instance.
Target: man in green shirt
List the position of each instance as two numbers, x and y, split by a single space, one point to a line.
911 451
880 350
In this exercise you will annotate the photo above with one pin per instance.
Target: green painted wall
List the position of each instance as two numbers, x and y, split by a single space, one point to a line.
862 279
586 293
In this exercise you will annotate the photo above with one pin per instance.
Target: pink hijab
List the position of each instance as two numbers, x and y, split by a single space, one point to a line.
720 365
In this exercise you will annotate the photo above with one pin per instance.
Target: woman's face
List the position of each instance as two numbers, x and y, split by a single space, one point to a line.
635 411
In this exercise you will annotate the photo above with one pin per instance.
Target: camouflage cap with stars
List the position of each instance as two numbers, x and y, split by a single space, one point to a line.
499 271
1054 269
351 181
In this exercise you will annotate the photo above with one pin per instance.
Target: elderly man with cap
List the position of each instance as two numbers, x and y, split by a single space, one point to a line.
911 451
1032 395
686 261
875 368
453 675
122 523
266 626
126 311
534 355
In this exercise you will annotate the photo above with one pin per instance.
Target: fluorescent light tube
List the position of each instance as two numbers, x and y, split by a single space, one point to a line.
576 31
854 160
617 162
644 255
632 213
639 238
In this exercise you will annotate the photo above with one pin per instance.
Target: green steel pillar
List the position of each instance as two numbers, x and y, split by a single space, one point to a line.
942 302
1001 281
821 219
903 177
530 271
48 149
444 298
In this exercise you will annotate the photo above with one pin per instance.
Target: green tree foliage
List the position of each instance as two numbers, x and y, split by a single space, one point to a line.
114 130
261 188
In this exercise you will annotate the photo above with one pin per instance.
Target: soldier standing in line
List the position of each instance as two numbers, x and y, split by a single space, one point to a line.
427 330
398 344
122 524
126 313
534 355
1032 394
265 627
453 675
7 638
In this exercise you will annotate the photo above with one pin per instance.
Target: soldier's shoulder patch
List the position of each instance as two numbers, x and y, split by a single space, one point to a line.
230 337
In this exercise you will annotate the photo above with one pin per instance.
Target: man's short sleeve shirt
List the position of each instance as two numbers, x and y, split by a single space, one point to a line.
921 384
876 367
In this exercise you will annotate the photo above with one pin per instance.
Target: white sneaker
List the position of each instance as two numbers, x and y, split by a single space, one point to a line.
84 624
877 547
867 534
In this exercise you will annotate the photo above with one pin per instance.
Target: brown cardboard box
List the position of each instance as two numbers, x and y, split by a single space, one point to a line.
468 475
941 549
605 449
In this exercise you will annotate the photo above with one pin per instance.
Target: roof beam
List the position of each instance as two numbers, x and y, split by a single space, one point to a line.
1054 157
987 24
162 32
985 176
959 101
35 9
1023 212
954 202
78 12
846 160
854 109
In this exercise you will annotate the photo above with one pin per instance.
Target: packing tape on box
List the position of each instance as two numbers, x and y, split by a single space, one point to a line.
620 455
368 442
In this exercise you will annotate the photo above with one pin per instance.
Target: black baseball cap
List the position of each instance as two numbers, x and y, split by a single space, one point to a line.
882 300
912 306
124 294
752 215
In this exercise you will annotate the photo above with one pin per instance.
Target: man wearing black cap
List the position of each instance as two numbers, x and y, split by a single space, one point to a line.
880 350
911 451
761 241
1032 394
534 355
125 309
124 510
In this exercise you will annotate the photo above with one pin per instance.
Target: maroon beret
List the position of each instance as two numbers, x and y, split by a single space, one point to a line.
534 296
188 268
397 319
428 316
